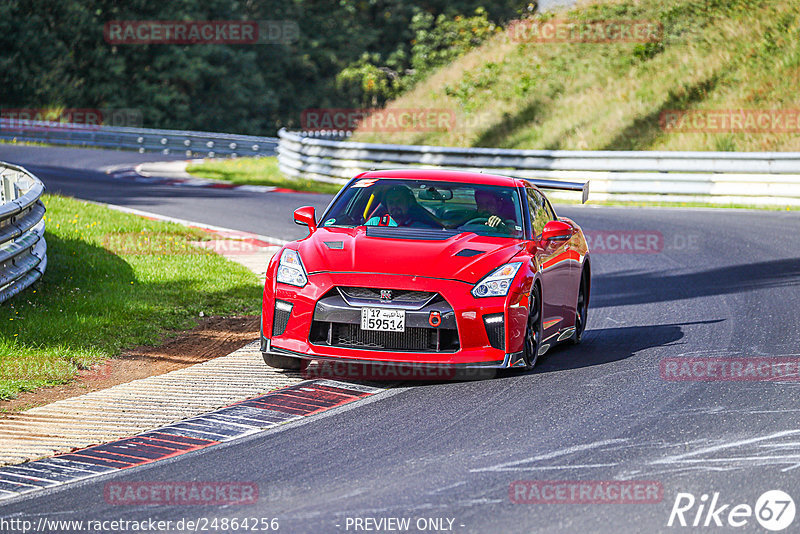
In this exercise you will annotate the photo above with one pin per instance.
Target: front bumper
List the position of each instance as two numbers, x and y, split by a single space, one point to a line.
302 331
515 360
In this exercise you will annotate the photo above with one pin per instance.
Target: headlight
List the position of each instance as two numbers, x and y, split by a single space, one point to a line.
498 282
290 269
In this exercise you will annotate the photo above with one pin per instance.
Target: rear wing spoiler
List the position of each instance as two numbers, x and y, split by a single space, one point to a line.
561 186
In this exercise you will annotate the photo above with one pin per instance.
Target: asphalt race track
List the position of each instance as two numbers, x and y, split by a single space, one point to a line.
716 283
81 173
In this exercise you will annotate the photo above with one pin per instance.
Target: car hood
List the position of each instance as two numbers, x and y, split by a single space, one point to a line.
467 257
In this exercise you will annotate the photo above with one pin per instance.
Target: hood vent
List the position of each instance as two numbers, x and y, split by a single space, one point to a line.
469 252
416 234
334 245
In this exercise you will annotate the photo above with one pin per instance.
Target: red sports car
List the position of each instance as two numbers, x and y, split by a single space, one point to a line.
429 267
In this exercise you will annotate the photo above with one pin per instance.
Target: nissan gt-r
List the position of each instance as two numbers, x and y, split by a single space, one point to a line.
429 267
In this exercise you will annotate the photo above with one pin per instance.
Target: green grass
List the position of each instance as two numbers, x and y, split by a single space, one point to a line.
714 55
24 143
113 281
256 171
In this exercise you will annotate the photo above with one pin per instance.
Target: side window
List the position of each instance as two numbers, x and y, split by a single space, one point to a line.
550 211
541 213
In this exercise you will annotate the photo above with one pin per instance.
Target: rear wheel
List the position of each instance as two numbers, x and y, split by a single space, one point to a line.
281 362
581 309
533 332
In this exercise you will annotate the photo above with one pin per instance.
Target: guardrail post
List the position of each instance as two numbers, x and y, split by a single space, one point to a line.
9 189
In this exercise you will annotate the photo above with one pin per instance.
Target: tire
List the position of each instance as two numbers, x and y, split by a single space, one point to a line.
281 362
581 309
533 332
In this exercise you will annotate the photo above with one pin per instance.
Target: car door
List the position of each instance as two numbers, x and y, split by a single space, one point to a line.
552 261
572 258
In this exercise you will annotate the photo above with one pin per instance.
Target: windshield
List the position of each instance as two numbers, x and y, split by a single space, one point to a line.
482 209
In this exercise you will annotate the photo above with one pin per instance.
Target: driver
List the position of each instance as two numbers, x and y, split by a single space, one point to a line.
488 205
403 210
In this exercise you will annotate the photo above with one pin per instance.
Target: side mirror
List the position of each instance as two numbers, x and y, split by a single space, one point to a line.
306 216
556 231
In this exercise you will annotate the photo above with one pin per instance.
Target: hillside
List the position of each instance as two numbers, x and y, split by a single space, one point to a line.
712 55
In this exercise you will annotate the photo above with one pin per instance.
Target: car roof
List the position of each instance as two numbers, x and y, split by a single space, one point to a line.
440 175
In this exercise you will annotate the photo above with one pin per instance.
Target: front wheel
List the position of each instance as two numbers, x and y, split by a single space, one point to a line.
533 332
281 362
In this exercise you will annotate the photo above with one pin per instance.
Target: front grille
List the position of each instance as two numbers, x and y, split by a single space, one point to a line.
369 294
337 321
414 339
351 335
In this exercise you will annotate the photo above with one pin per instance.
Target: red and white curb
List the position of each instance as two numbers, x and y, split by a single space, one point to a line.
154 401
232 422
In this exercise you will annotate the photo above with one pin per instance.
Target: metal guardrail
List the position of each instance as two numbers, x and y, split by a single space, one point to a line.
143 140
720 177
23 250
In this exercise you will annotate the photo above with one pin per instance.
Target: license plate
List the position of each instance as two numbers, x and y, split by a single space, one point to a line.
383 320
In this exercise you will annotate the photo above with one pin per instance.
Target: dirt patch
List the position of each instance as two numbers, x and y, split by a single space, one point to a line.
213 337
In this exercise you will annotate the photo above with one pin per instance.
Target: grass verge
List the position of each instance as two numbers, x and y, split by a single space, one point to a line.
113 281
256 171
24 143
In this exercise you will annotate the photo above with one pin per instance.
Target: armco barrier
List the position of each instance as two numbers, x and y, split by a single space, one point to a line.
23 251
187 143
764 178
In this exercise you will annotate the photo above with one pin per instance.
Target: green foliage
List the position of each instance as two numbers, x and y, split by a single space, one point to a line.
348 54
368 84
645 51
440 40
437 40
